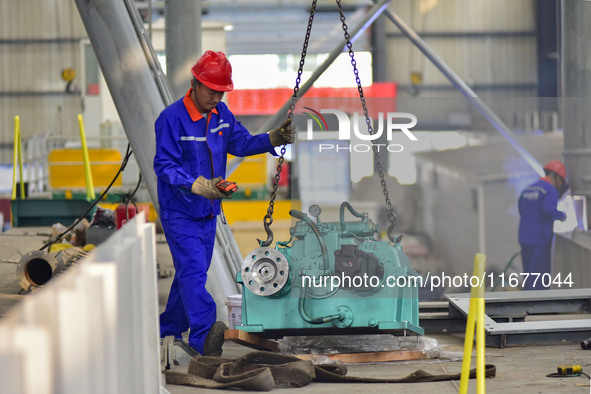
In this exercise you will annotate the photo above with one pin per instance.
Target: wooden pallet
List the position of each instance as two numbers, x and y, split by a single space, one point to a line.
250 340
371 357
256 342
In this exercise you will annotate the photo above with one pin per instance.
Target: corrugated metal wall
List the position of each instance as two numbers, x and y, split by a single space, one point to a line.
38 39
490 44
486 42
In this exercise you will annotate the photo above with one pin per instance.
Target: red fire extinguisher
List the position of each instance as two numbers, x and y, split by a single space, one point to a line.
124 212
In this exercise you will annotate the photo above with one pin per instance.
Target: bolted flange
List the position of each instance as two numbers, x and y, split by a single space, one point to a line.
265 271
347 314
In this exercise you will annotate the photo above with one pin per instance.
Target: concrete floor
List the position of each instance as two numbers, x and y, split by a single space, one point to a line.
521 369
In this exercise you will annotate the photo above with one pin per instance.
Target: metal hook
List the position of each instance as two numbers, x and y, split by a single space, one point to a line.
390 233
267 225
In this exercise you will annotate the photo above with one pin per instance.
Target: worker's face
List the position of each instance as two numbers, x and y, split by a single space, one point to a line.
205 98
558 182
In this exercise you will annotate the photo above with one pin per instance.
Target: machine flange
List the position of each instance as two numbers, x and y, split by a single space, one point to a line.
347 314
265 271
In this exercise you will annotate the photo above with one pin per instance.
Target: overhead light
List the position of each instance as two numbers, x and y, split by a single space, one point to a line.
228 27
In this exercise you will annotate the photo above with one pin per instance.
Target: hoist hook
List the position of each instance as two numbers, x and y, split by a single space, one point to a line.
390 233
267 225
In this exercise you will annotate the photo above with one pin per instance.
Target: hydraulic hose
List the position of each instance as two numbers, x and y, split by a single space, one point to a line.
301 307
344 205
299 215
313 320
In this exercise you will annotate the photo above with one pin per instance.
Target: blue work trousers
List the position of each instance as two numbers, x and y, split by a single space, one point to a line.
536 259
189 305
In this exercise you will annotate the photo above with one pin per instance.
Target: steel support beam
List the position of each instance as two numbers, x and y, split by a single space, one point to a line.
130 74
183 42
40 40
470 34
140 92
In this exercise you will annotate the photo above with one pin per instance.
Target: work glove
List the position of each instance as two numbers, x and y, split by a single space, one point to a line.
562 216
282 135
207 188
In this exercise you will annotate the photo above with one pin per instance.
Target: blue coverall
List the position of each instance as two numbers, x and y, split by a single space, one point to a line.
189 145
537 210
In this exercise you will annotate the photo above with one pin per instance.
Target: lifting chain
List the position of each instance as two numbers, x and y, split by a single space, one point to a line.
268 219
391 213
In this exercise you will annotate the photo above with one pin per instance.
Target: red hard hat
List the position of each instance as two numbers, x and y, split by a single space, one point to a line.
556 167
214 71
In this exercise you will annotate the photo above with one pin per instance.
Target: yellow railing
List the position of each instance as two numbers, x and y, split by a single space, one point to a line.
475 317
17 159
87 173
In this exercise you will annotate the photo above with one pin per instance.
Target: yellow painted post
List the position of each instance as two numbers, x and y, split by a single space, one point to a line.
479 262
475 318
468 343
17 159
15 155
20 162
87 173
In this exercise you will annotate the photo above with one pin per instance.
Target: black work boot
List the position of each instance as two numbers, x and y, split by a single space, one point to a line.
214 339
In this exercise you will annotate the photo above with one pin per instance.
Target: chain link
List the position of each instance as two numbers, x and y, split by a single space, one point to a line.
391 213
268 219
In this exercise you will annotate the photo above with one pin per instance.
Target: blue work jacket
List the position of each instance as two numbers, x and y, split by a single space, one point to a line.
189 145
537 210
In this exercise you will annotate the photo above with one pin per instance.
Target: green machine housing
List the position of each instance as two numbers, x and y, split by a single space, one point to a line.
334 276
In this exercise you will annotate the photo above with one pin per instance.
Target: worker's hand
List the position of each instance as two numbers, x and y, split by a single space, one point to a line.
207 188
282 135
562 216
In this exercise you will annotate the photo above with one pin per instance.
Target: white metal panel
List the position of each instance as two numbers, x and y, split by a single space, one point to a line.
92 329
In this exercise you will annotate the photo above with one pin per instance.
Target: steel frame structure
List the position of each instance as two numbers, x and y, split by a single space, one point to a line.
506 312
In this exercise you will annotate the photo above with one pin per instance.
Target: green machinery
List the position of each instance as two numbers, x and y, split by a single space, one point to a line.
334 276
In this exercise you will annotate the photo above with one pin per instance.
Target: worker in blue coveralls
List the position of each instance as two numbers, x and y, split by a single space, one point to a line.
538 211
193 137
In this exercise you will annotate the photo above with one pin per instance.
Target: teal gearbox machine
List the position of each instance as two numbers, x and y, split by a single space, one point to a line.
332 277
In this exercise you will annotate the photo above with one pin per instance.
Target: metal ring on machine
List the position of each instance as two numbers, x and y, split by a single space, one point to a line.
265 271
